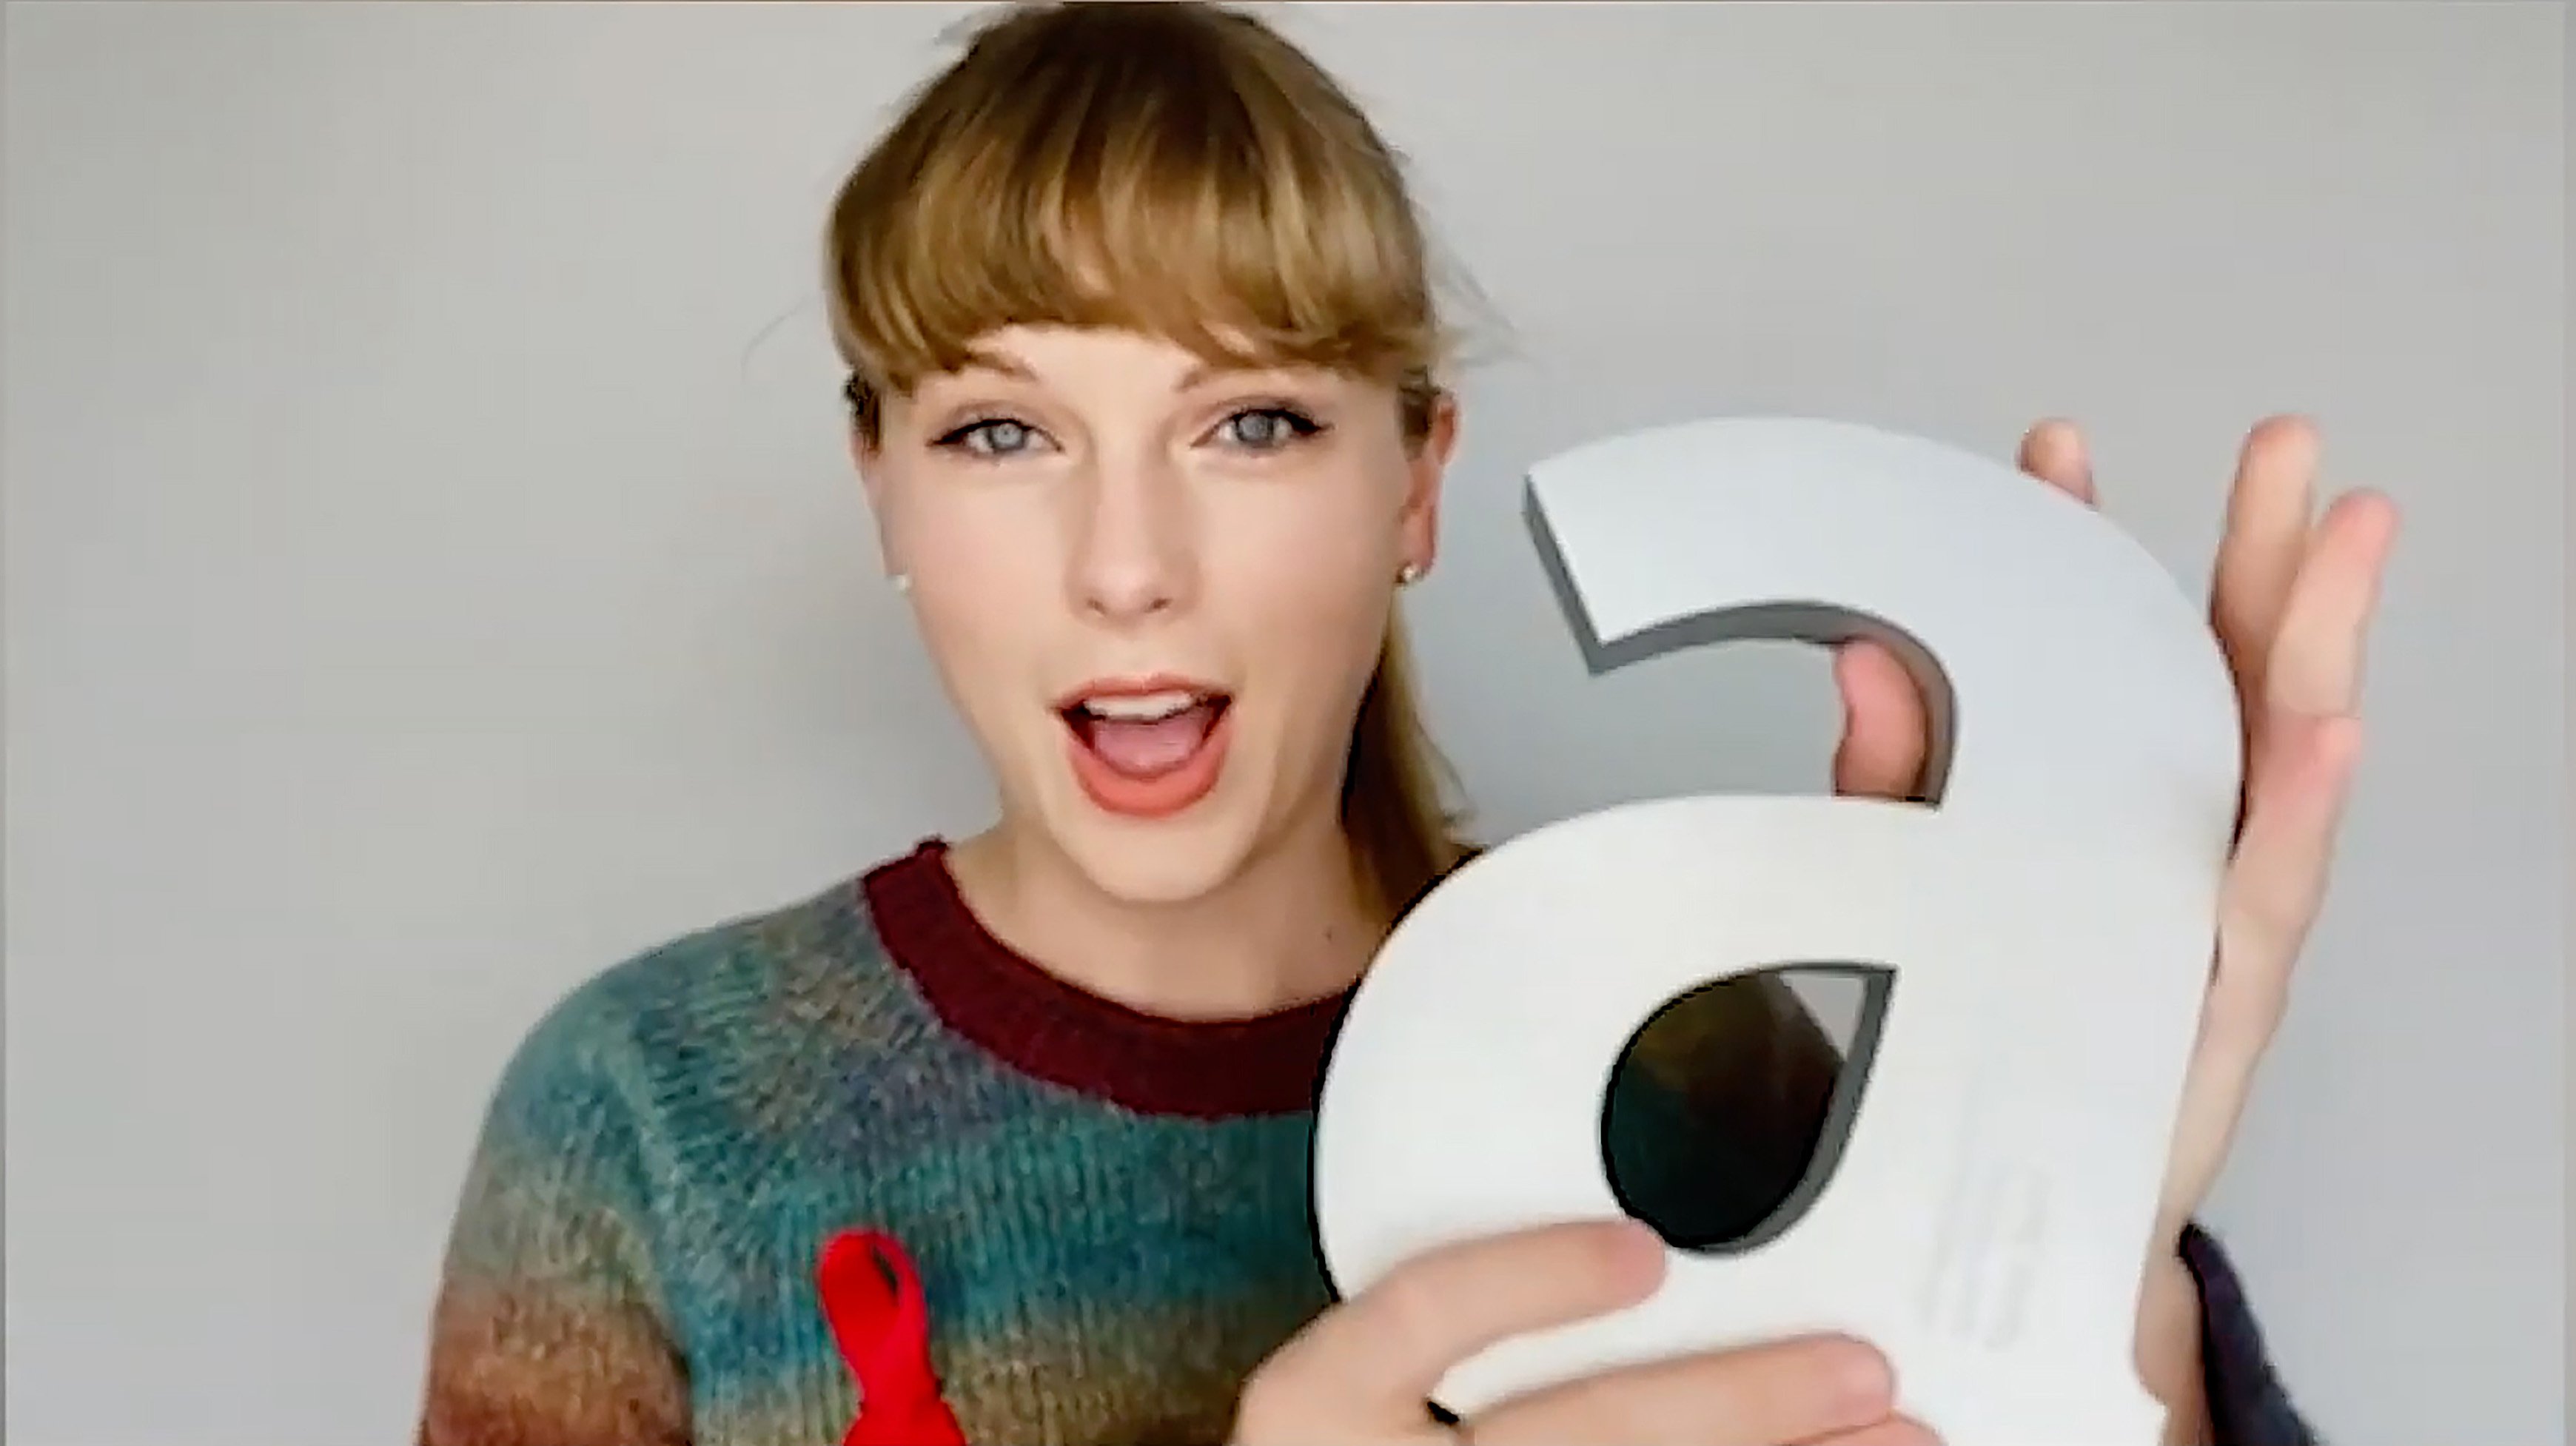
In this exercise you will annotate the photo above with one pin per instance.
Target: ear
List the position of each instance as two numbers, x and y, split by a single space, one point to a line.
869 459
1427 468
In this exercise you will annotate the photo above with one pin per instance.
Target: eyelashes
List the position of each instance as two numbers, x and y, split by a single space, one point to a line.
1282 426
1263 430
987 438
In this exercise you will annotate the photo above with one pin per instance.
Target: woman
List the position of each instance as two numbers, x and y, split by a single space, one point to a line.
1142 363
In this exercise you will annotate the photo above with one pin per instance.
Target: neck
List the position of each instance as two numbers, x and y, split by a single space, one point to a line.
1290 927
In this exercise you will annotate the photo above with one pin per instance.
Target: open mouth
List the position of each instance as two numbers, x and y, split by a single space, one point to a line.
1147 751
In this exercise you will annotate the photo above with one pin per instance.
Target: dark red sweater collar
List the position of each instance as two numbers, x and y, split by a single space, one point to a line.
1043 1026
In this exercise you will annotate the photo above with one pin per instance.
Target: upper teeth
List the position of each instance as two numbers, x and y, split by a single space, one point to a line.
1142 707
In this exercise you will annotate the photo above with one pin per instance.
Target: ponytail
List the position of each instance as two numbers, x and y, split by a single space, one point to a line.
1392 804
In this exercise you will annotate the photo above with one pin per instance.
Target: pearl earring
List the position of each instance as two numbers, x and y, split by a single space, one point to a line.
902 581
1410 574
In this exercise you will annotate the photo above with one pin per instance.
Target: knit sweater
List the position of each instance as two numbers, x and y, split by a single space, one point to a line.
1106 1212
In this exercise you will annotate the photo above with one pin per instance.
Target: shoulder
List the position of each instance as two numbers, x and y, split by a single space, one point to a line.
726 1014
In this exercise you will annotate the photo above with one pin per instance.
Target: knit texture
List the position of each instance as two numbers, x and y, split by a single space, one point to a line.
1108 1211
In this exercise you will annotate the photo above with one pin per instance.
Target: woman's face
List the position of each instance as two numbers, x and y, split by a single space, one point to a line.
1154 588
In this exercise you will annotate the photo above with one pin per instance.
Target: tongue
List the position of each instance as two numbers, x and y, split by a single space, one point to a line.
1142 749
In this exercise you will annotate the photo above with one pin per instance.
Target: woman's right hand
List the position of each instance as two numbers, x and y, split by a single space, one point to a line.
1364 1371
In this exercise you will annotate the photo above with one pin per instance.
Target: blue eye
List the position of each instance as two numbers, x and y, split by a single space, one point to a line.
992 437
1267 429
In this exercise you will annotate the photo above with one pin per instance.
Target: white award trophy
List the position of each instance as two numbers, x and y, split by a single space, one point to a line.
2042 934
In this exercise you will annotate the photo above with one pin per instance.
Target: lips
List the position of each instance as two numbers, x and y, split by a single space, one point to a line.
1147 748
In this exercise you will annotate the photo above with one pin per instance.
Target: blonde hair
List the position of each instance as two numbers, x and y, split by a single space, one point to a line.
1182 171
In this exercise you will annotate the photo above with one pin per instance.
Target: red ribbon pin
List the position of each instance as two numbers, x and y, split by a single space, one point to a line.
872 1297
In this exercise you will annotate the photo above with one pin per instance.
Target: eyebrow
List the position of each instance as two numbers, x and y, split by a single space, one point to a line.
994 361
1206 372
1198 375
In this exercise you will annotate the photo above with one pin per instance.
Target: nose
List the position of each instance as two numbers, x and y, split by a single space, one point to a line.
1132 558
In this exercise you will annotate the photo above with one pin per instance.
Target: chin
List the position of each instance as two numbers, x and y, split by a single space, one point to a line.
1166 862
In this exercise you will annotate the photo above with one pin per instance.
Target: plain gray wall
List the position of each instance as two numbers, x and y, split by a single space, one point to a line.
432 571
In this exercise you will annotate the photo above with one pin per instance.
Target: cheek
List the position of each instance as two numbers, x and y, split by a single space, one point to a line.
1325 590
1309 594
982 590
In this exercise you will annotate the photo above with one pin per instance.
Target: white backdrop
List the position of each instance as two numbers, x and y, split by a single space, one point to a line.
432 571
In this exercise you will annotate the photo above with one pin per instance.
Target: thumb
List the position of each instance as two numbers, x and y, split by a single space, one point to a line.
1383 1352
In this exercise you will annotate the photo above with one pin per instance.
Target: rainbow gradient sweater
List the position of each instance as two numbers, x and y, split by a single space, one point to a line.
1107 1212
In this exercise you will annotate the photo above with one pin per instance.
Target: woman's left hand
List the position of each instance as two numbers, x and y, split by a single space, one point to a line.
2291 603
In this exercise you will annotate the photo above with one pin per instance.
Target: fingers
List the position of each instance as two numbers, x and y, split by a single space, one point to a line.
2054 452
1894 1431
1364 1369
2306 746
1795 1391
2265 541
2277 883
1382 1353
2324 618
1885 728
